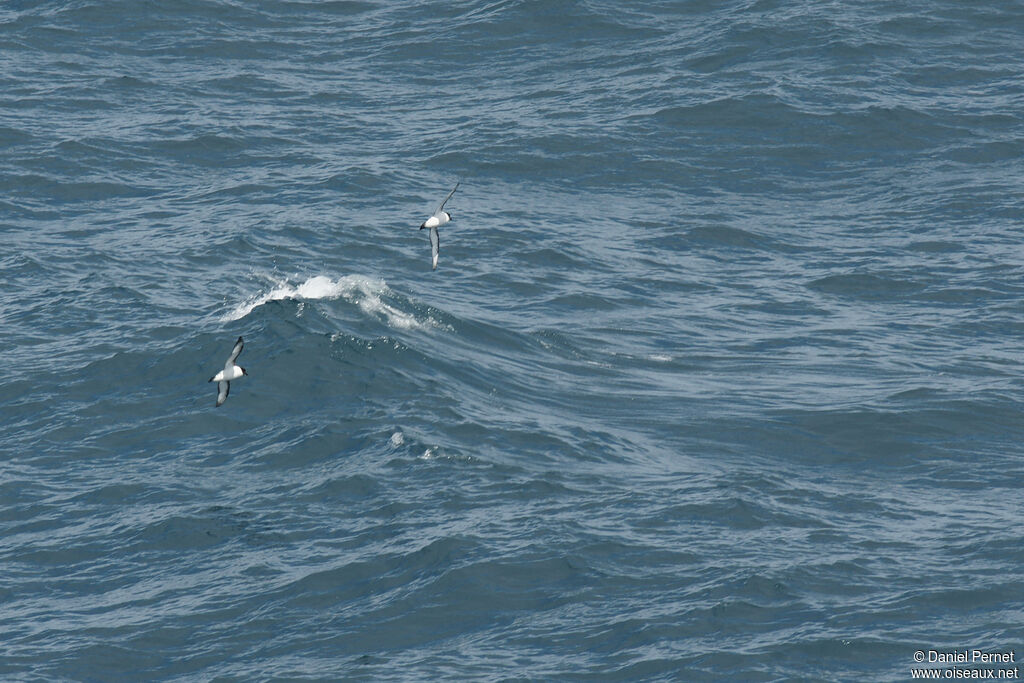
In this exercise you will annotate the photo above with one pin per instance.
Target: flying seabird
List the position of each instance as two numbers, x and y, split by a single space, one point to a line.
434 222
230 372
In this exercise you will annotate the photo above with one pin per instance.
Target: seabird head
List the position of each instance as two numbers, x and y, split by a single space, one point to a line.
424 225
243 370
449 215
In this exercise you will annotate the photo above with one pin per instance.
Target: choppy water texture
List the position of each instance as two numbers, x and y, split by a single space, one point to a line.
718 377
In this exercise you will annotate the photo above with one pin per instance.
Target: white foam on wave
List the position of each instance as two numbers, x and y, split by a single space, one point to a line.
365 292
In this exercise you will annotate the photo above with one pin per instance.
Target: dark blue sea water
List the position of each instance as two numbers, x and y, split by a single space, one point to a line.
719 376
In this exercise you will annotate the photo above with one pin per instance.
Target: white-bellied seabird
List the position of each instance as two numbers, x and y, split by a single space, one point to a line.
439 218
230 372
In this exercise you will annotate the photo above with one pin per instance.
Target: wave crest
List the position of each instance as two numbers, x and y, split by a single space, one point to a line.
365 292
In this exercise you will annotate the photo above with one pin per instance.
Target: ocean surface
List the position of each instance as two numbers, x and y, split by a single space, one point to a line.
718 378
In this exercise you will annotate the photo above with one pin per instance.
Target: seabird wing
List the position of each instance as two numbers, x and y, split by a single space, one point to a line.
435 247
235 352
438 212
222 392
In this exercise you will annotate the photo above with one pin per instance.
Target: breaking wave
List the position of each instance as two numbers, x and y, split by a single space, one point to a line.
367 293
